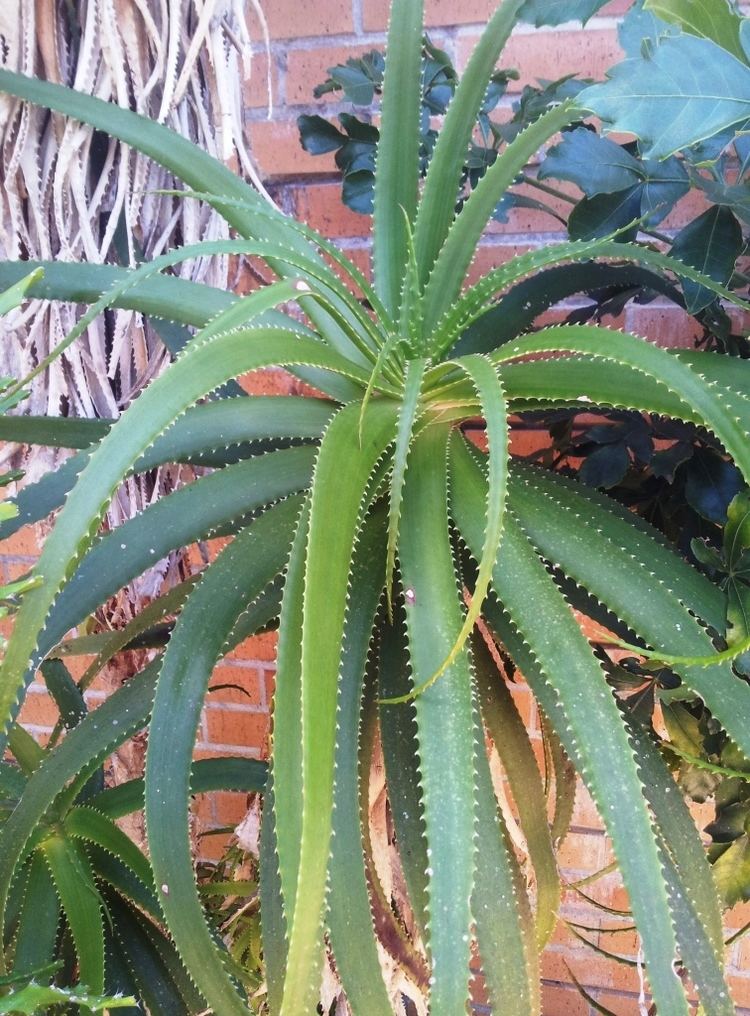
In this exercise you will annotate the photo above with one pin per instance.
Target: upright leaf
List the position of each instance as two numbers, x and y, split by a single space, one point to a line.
397 167
445 719
437 207
339 495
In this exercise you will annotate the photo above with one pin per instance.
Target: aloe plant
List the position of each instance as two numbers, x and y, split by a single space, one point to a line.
395 556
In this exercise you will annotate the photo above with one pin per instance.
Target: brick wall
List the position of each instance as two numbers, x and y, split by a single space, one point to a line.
307 38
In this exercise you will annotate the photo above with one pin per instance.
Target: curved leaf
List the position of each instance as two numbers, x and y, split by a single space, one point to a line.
74 881
201 368
84 749
507 730
237 576
327 572
606 344
541 623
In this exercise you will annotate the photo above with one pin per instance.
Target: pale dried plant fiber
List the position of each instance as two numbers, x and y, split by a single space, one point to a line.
70 196
67 194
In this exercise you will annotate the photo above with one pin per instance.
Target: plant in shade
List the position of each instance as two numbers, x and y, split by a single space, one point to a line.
406 568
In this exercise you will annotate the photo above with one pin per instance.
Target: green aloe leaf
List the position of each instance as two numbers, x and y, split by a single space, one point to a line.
212 505
507 730
437 207
152 962
273 925
15 294
55 432
500 905
398 150
540 620
36 934
408 411
239 574
83 750
326 592
398 731
607 344
200 369
212 435
448 273
29 1000
170 299
692 889
112 872
445 718
491 397
243 208
475 302
230 773
74 881
350 921
651 598
90 825
286 756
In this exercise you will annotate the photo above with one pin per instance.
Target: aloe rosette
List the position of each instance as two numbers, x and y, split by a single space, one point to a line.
388 549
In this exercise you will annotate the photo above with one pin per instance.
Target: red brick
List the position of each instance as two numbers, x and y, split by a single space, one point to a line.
24 543
741 954
230 809
527 440
687 208
591 969
360 258
15 570
278 153
582 852
549 55
288 20
321 207
670 327
737 917
585 815
740 989
532 220
212 845
255 87
445 13
307 68
244 729
525 704
620 1005
267 381
259 647
39 710
249 686
559 1001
